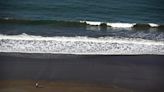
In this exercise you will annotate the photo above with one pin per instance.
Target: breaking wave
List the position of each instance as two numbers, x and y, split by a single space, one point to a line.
81 23
25 43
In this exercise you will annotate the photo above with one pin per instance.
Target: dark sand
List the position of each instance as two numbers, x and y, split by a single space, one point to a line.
130 73
57 86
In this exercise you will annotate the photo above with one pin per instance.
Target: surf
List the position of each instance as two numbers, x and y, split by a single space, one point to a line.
65 23
80 45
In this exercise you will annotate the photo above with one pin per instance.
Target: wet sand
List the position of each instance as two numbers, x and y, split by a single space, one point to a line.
55 86
134 73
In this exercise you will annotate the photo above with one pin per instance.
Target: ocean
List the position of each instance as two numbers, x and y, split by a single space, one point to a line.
115 42
89 27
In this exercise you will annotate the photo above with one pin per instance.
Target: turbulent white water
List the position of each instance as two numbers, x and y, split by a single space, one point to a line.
118 25
79 45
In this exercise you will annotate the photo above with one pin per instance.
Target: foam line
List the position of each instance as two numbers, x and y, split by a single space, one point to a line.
121 25
79 45
81 23
153 25
94 23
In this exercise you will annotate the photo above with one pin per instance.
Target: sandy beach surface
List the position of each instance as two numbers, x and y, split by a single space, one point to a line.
73 73
56 86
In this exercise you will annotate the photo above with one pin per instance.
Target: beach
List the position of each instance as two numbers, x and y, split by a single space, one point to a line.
81 46
57 86
142 73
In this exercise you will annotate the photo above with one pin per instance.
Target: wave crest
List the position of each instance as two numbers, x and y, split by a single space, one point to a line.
82 23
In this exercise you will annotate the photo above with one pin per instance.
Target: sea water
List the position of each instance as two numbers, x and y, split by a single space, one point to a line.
82 26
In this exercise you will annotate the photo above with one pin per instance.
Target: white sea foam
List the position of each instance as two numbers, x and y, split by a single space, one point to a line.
121 25
153 25
117 25
94 23
79 45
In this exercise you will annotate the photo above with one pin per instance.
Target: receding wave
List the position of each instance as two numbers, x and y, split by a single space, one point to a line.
79 45
81 23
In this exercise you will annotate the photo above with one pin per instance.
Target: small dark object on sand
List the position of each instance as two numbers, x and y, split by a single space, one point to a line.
36 84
